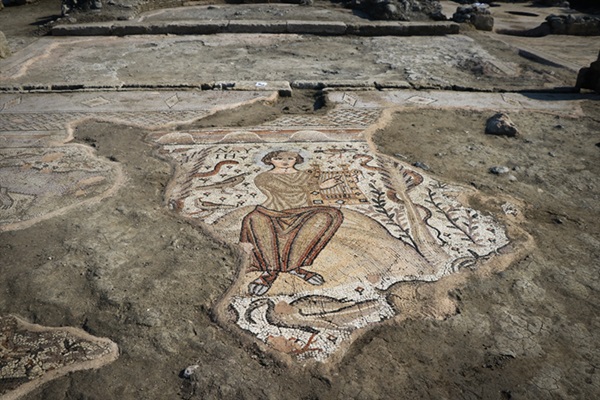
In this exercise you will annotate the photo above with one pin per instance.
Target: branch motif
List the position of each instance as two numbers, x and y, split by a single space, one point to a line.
463 220
393 217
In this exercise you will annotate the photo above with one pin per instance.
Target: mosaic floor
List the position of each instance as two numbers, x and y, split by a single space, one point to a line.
331 230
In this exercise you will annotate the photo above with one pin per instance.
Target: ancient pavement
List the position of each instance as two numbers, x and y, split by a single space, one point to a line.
287 215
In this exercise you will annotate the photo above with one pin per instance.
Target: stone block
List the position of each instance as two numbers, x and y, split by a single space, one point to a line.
316 27
393 85
482 22
190 28
312 85
394 28
340 83
126 29
99 29
433 29
282 87
378 29
250 26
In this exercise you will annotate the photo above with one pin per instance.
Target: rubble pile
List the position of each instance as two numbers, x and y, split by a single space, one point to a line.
398 10
477 14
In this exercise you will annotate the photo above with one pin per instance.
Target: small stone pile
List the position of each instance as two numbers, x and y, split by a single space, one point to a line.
398 10
477 14
589 78
553 3
584 25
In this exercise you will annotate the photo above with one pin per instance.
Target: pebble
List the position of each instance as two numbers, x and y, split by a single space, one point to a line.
499 170
189 371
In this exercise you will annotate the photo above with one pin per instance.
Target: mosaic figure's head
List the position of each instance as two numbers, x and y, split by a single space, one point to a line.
283 159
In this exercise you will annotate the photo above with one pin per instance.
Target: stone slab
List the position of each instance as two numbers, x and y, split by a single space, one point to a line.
196 60
561 103
570 52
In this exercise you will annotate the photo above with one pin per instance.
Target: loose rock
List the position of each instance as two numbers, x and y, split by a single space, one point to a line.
189 371
501 124
421 165
4 49
499 170
589 78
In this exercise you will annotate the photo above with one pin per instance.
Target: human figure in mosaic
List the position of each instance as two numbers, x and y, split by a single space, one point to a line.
286 233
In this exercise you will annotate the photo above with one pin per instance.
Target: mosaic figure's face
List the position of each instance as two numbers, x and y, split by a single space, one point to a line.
284 160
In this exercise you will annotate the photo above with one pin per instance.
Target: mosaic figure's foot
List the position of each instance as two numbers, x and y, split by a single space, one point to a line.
311 277
262 284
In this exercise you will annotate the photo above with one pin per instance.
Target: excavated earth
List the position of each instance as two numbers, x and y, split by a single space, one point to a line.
127 267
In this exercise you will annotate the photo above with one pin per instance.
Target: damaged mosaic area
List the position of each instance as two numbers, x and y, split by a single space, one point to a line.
36 180
329 228
41 175
32 354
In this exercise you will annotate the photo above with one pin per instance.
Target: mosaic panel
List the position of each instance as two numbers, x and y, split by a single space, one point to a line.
53 121
339 117
328 228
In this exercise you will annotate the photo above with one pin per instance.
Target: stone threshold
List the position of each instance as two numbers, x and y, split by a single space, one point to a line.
378 28
283 88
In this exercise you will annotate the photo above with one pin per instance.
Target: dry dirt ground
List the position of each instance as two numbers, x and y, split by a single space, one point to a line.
528 332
